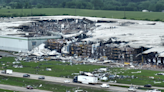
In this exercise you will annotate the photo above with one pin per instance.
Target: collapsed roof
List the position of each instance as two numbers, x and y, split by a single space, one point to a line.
136 32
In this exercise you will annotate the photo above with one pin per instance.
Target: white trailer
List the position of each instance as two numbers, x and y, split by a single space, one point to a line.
86 79
7 71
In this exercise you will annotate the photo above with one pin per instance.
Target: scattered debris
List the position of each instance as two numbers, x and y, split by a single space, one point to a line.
151 77
155 82
136 72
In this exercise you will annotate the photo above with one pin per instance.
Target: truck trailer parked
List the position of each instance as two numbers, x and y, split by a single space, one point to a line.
7 71
85 79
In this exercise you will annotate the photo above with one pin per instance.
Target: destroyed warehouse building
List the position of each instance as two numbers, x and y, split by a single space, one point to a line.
87 37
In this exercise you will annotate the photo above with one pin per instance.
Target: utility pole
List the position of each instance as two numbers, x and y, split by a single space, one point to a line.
124 12
31 9
75 7
75 10
22 11
22 7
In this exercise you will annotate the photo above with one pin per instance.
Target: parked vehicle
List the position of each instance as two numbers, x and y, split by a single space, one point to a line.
105 85
48 69
132 89
154 90
111 76
26 75
80 91
29 87
7 71
66 81
104 78
147 85
85 79
160 73
41 77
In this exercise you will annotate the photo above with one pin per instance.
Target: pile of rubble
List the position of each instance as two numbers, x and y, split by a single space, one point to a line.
52 27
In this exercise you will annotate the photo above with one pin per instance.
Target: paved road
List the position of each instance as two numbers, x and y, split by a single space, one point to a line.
21 89
61 81
162 88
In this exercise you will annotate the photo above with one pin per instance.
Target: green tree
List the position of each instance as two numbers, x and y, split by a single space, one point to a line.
144 5
98 4
159 7
13 4
27 5
63 4
39 6
152 7
70 5
131 5
7 1
19 5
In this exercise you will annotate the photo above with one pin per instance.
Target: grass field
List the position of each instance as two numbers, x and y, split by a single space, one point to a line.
138 15
58 69
142 78
64 70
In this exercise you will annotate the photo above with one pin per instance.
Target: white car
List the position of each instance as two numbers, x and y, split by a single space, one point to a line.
48 69
132 89
105 85
66 81
104 78
154 90
80 91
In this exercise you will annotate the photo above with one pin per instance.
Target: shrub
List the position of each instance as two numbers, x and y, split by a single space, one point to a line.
147 19
65 14
157 20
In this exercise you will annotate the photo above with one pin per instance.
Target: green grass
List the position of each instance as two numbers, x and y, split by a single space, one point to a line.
58 69
65 70
138 15
142 78
50 86
141 88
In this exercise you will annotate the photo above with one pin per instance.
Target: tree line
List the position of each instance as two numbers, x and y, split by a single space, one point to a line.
121 5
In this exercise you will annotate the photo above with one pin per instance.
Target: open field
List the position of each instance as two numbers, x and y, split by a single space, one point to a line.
58 69
138 15
141 78
65 70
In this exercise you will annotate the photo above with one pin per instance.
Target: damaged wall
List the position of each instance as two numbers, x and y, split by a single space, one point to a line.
24 44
